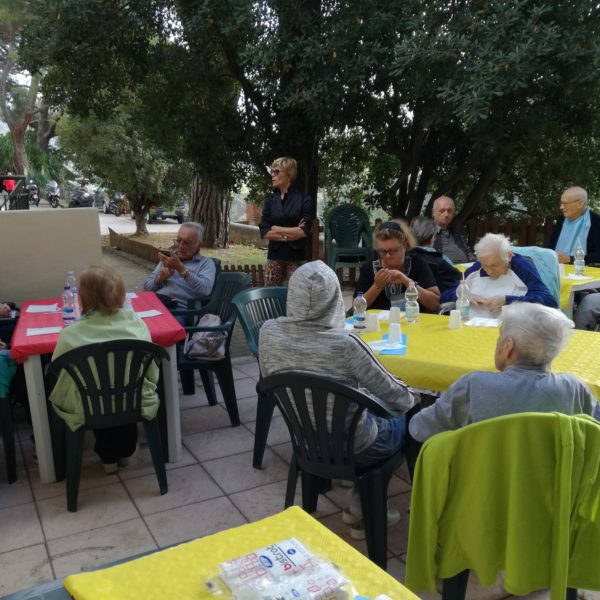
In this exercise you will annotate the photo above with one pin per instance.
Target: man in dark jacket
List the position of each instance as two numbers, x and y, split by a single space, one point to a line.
446 275
449 241
577 225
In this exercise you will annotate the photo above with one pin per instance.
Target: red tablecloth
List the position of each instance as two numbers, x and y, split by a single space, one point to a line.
164 329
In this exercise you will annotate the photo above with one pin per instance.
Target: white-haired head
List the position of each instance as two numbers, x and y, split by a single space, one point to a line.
492 244
538 332
576 193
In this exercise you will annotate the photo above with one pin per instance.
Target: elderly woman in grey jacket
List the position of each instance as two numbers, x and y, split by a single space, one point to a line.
312 335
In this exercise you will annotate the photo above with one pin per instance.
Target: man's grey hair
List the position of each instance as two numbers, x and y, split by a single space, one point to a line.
197 226
424 229
436 201
539 332
493 243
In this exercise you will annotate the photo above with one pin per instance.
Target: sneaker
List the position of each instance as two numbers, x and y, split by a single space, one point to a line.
357 531
125 461
349 518
110 468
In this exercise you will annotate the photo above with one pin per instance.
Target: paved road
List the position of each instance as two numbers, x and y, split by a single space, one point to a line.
122 224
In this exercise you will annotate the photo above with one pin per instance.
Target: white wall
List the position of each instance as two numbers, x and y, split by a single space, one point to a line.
38 247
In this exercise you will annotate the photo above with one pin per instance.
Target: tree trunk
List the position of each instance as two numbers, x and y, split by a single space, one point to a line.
487 176
18 142
45 128
209 206
140 208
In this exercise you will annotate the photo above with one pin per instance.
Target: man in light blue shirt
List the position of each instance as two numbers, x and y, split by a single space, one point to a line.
530 338
182 273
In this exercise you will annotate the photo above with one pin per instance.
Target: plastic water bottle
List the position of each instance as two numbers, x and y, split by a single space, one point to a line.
463 302
360 312
579 261
412 304
68 311
71 282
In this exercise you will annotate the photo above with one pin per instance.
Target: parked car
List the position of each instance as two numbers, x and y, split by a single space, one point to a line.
81 198
179 212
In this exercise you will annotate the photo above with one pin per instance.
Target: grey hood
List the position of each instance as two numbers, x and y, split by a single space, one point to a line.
315 298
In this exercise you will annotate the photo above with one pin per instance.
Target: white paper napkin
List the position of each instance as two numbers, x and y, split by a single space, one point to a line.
577 277
42 308
42 330
386 345
482 322
149 313
130 295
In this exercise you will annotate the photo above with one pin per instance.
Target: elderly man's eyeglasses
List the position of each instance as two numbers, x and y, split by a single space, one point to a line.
570 202
182 242
390 252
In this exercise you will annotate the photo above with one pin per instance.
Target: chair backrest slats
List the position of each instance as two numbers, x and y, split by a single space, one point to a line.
109 377
322 415
346 223
257 305
226 287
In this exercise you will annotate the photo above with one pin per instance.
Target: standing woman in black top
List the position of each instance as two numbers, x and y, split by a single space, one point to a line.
286 222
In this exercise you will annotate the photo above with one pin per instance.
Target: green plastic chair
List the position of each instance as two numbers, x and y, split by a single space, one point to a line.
516 494
220 303
348 237
7 370
254 307
107 404
324 446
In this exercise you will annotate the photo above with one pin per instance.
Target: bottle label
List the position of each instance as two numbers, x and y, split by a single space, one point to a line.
360 322
465 310
412 313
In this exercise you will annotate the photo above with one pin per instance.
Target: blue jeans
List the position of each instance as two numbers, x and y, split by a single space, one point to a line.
389 440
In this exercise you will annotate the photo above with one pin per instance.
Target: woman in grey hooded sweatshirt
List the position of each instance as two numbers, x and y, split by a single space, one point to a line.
311 338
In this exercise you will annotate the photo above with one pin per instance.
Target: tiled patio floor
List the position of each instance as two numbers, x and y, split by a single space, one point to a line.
214 487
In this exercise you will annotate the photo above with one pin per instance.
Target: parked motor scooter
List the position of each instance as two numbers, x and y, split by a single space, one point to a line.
34 198
52 194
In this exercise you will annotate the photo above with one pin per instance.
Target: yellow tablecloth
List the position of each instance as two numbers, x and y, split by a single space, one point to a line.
179 573
566 285
437 356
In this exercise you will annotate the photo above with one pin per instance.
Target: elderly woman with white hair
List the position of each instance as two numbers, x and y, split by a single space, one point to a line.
500 277
530 338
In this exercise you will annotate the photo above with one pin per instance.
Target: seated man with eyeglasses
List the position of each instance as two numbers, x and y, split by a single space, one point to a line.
577 225
384 281
182 274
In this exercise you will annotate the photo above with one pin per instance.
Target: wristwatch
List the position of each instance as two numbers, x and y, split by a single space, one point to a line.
184 273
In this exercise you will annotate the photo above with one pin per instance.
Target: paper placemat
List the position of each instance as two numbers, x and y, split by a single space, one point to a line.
42 308
144 314
42 330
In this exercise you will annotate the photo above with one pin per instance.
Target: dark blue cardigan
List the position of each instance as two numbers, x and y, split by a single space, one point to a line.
526 271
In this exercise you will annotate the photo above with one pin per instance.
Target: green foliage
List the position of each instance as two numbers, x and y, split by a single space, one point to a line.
114 150
381 102
45 166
